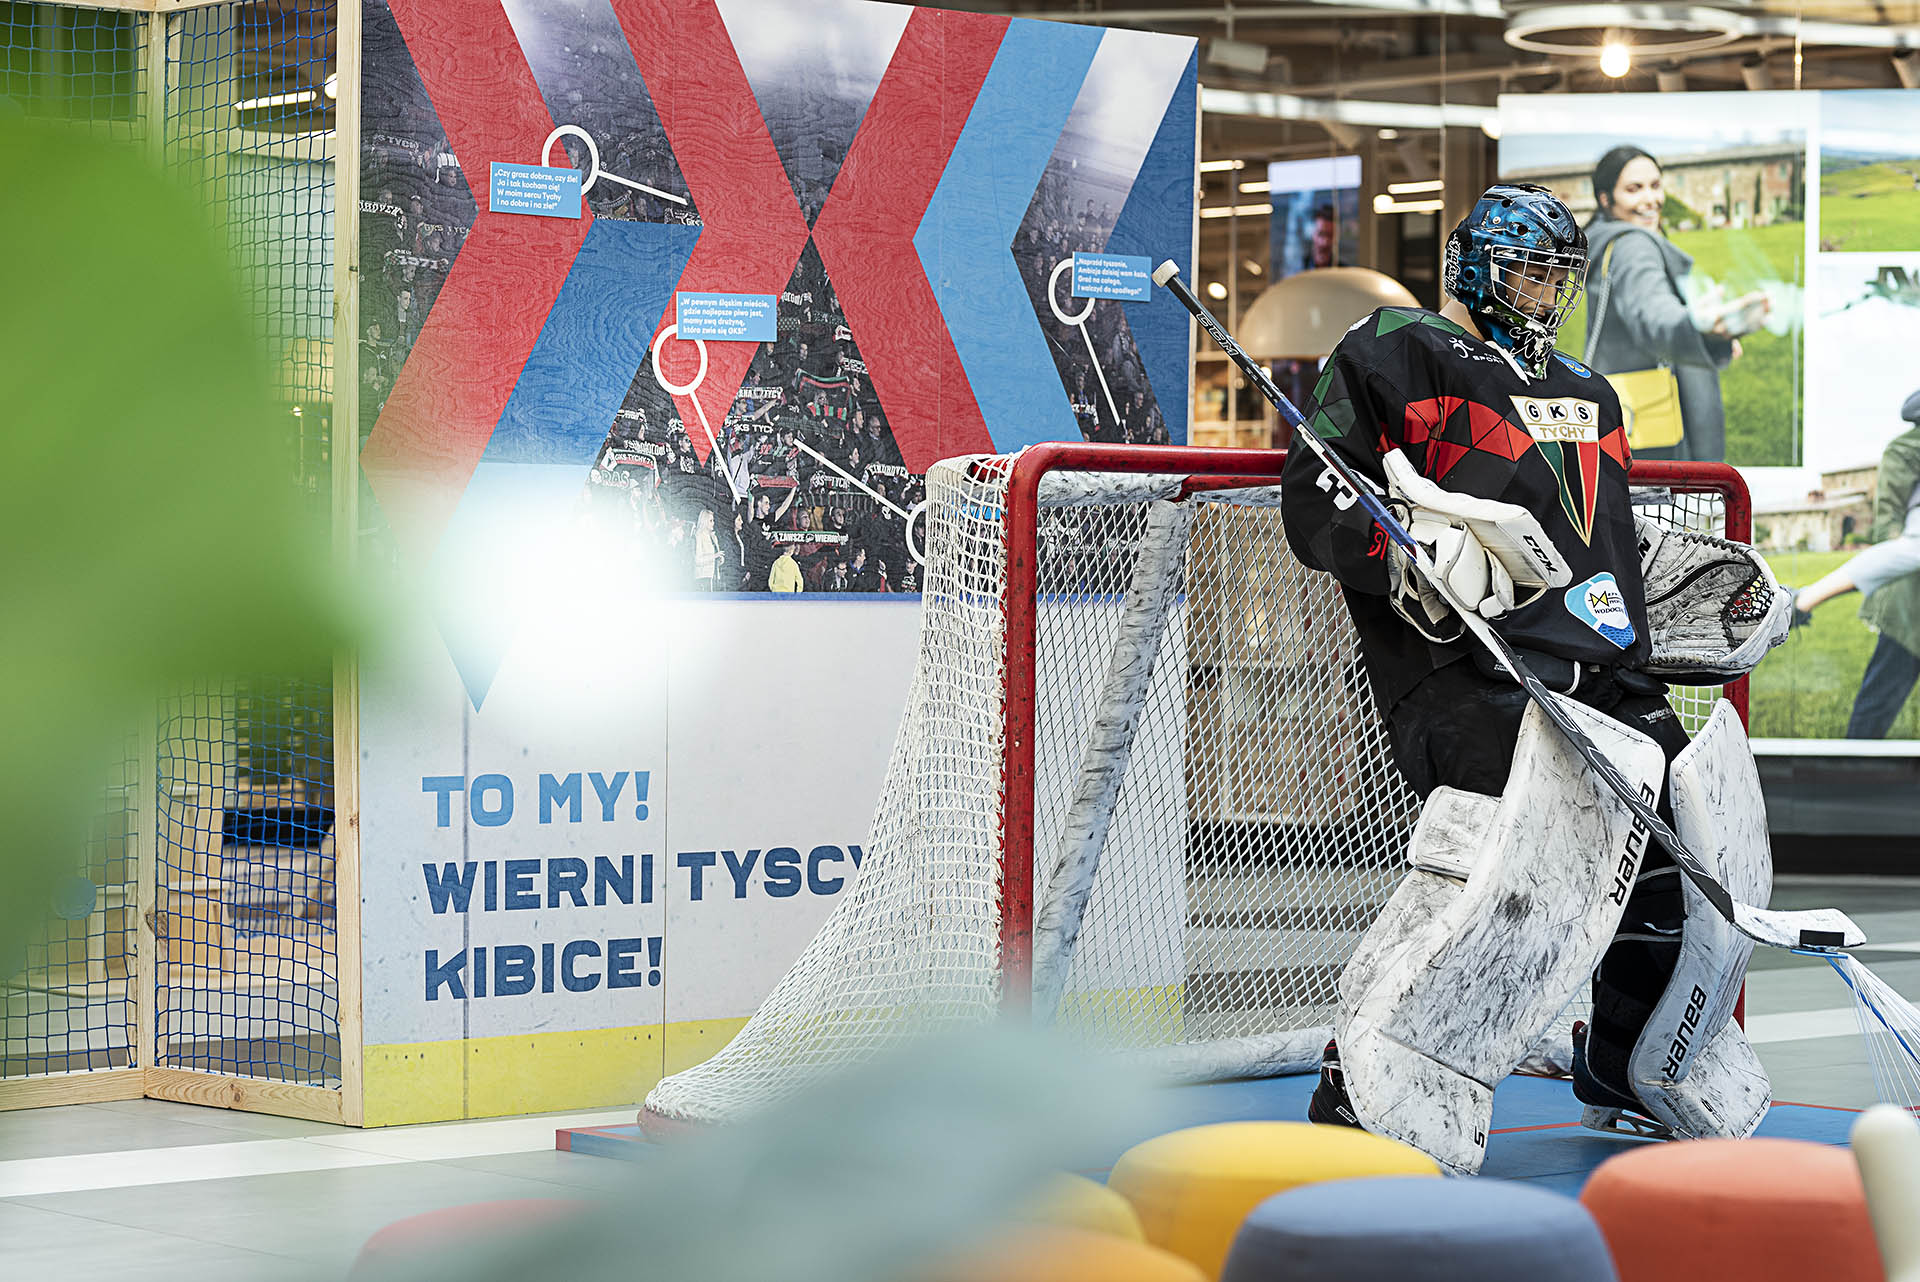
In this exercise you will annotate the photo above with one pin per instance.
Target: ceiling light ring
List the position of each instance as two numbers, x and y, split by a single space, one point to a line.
1717 27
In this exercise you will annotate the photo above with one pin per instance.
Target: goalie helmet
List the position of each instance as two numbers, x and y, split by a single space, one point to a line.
1518 263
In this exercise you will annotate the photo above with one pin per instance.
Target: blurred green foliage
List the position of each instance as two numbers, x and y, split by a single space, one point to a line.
867 1175
153 531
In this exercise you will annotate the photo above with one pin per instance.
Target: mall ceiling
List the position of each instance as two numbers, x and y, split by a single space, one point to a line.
1314 77
1285 57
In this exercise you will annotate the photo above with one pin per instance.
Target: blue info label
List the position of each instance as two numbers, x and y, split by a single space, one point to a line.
729 318
1120 276
548 191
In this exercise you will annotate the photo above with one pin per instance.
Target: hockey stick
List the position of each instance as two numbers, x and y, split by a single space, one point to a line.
1817 929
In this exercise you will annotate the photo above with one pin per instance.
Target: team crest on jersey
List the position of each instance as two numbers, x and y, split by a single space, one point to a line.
1601 605
1567 430
1573 365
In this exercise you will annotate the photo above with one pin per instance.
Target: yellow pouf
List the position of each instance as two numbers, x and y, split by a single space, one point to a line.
1045 1253
1192 1188
1075 1202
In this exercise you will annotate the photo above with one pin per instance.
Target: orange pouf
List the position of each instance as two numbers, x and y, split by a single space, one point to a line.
1051 1254
1760 1210
392 1251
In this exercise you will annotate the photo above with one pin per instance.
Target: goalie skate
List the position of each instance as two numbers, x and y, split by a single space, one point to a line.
1608 1108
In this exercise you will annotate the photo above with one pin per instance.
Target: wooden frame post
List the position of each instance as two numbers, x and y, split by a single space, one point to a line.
345 458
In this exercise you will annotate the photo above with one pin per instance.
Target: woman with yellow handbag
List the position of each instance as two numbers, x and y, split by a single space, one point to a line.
1641 332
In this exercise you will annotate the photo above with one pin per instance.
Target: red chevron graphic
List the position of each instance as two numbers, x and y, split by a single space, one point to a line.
865 232
463 367
752 227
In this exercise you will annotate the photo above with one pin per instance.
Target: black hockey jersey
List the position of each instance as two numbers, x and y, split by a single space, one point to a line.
1471 421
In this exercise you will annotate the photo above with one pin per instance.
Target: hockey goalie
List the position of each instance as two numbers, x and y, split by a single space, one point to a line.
1508 461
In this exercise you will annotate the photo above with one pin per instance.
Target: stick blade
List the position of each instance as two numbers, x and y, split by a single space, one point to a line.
1813 928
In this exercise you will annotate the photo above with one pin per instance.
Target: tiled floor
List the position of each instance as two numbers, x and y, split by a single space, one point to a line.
154 1191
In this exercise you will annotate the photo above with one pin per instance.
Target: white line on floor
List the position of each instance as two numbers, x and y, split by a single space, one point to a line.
30 1177
1802 1025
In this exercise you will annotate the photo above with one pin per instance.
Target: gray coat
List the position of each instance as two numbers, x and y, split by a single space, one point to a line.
1646 323
1895 609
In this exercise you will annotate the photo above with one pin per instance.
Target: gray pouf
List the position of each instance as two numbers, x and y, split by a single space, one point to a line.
1396 1229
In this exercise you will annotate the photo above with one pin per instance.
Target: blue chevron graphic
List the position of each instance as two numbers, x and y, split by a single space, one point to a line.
551 431
593 343
965 241
1157 222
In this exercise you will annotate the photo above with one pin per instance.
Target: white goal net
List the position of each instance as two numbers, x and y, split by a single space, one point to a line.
1139 789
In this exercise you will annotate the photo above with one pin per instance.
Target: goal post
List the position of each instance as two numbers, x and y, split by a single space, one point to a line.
1139 790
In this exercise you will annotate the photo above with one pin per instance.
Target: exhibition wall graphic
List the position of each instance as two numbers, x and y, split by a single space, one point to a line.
666 308
903 190
1787 303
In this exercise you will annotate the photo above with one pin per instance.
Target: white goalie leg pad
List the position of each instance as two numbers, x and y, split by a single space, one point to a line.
1457 976
1692 1066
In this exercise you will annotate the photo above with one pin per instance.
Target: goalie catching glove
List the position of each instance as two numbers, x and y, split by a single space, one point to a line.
1712 605
1493 556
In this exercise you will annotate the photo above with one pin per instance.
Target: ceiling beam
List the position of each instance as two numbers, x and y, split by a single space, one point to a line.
1228 14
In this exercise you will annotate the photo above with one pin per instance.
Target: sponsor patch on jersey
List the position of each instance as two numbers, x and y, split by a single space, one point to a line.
1574 365
1566 419
1601 605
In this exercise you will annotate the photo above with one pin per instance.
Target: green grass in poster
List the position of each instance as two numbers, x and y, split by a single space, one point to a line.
1805 688
1759 391
1871 207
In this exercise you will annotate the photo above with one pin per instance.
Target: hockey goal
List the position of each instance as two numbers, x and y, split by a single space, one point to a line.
1139 789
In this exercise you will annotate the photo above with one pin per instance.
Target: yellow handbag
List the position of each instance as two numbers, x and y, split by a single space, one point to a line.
1649 398
1650 403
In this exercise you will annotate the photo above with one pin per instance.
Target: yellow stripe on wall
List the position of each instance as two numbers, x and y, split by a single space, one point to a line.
532 1072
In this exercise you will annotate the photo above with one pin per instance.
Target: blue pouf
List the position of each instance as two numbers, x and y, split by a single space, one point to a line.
1397 1229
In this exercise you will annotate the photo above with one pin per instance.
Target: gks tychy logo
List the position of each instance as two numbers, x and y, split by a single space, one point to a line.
1567 430
1600 605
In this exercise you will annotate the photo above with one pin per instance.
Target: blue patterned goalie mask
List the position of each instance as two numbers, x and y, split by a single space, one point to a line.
1518 263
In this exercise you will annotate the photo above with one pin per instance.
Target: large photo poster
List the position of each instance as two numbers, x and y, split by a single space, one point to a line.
1764 250
1696 232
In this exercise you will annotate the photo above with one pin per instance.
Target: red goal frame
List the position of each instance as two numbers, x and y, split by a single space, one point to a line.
1205 469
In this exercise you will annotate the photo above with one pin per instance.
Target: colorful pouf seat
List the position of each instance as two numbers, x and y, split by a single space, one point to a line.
401 1249
1192 1188
1419 1230
1046 1253
1760 1210
1076 1202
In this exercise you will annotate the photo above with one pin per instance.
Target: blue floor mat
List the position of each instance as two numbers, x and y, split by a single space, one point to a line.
1536 1134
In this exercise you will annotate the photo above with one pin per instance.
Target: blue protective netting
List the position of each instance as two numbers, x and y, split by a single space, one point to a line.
241 799
246 926
73 64
66 1005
